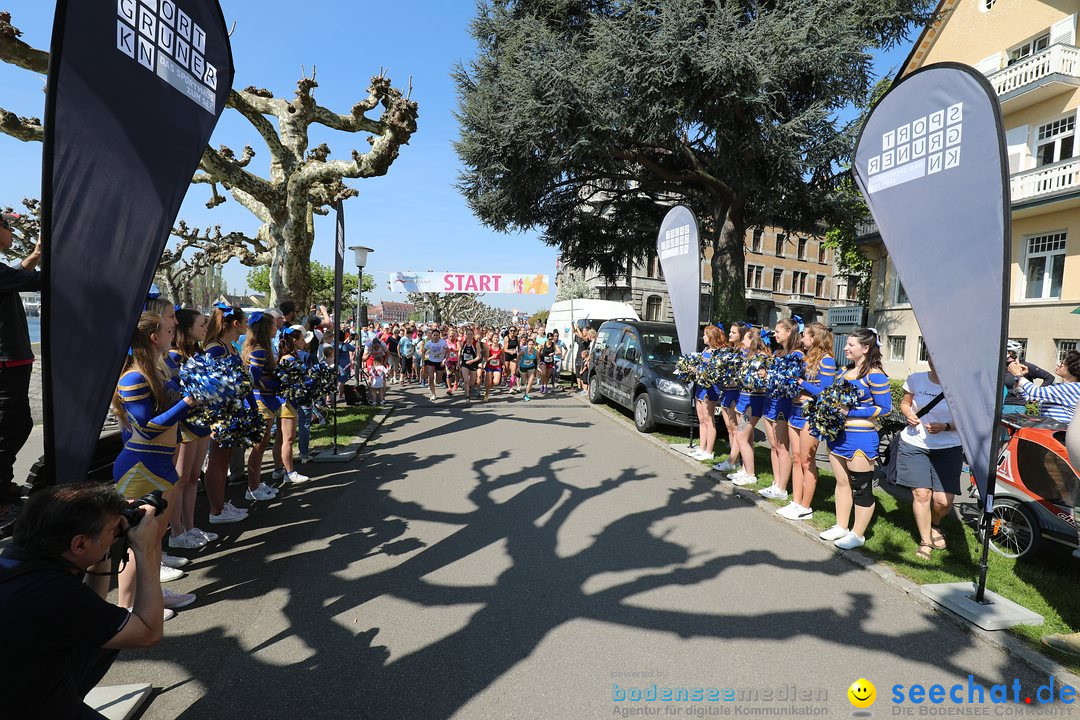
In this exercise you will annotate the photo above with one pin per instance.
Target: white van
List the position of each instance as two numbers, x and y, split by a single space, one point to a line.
565 315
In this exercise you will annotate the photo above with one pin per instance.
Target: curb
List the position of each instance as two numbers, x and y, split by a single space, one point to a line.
359 442
998 640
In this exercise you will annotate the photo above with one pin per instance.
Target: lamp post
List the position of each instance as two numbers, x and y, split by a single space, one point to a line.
361 253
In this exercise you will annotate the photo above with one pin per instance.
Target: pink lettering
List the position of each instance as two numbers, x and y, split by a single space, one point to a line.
484 279
496 279
470 284
448 283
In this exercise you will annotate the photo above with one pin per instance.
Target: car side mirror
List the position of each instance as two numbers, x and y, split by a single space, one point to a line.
631 354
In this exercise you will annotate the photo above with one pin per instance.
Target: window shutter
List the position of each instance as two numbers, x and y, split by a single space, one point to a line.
1017 141
990 64
1064 31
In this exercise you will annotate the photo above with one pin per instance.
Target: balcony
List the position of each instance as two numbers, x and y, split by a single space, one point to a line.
845 316
1036 78
1045 182
804 299
759 294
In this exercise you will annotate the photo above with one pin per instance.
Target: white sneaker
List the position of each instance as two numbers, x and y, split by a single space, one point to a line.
850 542
744 479
174 562
235 511
788 510
278 474
208 536
296 477
226 516
260 493
169 574
803 513
834 533
187 541
168 615
773 493
723 466
737 474
176 600
433 397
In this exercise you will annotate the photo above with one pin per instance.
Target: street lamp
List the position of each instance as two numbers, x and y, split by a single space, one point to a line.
361 253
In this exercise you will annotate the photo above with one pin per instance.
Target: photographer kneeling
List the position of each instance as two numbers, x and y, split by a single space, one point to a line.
60 634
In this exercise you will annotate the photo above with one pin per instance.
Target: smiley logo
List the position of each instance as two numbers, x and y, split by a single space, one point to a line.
862 693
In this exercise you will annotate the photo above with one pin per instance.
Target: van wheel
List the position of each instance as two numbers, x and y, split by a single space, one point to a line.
644 420
594 389
1015 532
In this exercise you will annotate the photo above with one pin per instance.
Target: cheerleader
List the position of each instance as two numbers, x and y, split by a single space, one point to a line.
258 355
729 395
776 414
289 348
194 440
820 369
749 408
225 326
853 452
706 397
149 419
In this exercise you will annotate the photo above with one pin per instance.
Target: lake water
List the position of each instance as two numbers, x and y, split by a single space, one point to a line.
34 323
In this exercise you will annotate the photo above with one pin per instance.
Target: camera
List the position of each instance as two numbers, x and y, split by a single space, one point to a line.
134 512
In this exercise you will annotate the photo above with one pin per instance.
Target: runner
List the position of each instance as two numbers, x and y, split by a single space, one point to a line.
452 374
528 366
560 353
493 365
405 351
434 359
511 353
547 362
470 361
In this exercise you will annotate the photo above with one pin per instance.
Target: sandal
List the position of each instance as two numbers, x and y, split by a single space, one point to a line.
925 551
937 537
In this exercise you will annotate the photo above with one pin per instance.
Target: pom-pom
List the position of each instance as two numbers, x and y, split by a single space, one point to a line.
324 379
294 382
784 375
752 377
245 427
217 383
687 366
825 414
731 364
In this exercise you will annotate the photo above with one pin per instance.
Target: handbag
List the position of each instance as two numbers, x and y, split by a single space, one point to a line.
894 442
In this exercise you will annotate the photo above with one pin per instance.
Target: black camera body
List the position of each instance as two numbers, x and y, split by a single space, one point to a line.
134 512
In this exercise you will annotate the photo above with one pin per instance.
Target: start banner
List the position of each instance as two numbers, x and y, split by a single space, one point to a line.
457 282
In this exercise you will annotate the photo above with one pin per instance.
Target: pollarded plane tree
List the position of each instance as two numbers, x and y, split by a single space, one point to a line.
302 181
589 119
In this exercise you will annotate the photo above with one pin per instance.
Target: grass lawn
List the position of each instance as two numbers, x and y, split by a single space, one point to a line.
1045 584
350 421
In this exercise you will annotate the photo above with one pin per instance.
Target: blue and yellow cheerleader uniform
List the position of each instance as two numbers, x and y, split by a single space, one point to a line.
146 462
190 431
266 385
730 395
287 411
814 383
860 435
755 400
710 393
778 409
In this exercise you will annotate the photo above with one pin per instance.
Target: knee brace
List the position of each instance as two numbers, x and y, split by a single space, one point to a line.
862 488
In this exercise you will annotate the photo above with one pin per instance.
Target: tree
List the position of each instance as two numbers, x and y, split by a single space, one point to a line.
444 307
322 283
540 318
575 287
25 231
301 181
588 120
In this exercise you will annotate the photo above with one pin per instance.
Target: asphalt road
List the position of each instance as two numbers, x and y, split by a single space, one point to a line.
518 560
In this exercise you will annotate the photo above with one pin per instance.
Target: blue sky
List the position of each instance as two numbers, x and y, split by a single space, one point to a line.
413 217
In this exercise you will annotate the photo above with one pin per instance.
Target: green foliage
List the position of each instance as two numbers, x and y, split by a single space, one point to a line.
322 283
540 318
586 119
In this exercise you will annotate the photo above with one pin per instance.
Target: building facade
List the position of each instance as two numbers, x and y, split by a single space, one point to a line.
786 274
1027 49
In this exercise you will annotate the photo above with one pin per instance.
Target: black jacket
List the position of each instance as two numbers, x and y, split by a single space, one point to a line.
14 335
1013 396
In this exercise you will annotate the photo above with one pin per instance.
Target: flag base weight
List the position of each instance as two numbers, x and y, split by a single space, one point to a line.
118 702
334 456
995 613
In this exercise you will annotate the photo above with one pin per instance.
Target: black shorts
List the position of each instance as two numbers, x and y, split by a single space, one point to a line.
432 363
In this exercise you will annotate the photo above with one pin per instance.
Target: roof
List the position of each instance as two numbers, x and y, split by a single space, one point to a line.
929 34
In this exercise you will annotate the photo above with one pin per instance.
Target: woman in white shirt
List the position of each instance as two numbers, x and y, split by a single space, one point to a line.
929 459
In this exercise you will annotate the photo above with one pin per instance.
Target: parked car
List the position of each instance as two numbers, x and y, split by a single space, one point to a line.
632 363
583 314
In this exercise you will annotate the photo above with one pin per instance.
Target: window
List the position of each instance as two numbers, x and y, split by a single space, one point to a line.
798 282
1063 348
819 287
780 244
607 337
630 342
1044 266
802 248
1029 48
777 280
923 355
753 276
755 242
899 293
652 308
897 348
821 251
852 288
1054 141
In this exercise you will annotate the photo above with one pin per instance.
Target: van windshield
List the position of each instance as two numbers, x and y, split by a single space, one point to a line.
660 347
